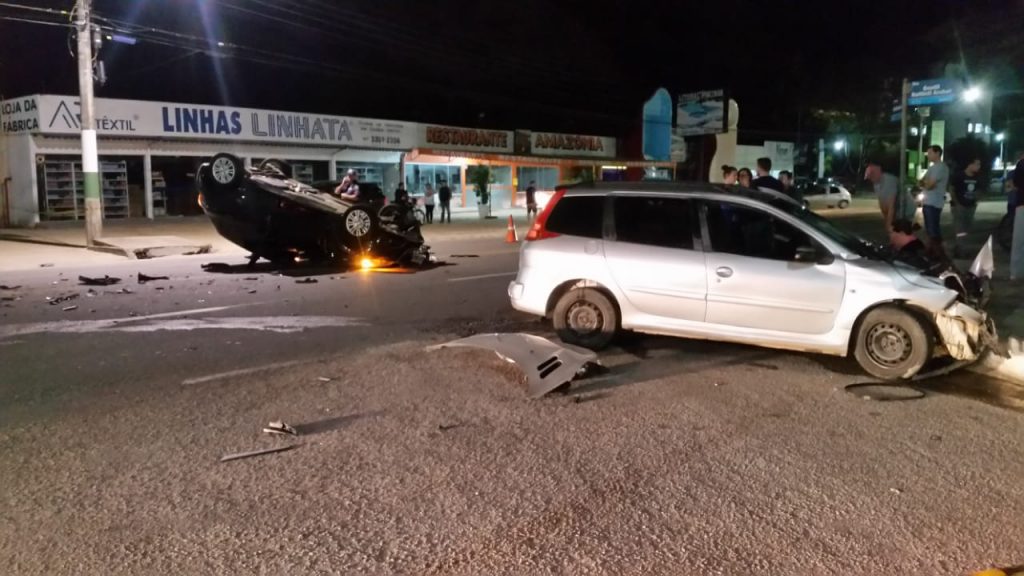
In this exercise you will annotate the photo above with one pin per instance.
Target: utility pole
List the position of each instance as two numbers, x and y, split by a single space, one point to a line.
904 93
90 156
922 113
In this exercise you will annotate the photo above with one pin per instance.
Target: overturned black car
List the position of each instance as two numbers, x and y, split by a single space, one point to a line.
264 210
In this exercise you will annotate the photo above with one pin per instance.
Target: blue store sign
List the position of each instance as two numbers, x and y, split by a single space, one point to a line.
924 92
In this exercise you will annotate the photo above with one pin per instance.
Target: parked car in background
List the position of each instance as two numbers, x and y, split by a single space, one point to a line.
824 194
731 264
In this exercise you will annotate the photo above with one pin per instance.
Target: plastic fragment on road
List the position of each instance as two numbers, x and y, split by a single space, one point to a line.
279 427
547 365
307 281
252 453
324 379
60 299
142 278
984 264
69 308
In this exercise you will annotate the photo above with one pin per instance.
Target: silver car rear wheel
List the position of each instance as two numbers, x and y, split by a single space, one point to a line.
586 317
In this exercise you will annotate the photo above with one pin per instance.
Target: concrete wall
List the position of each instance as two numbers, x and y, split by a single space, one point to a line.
20 158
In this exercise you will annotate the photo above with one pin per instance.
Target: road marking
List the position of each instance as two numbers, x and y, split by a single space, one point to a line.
154 323
482 276
241 372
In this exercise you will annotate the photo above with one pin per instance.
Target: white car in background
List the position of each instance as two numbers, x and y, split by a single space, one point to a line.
825 194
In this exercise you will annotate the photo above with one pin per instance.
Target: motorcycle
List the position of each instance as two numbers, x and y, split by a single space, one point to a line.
267 212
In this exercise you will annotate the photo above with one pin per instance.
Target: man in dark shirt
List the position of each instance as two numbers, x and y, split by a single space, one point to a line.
965 203
765 180
1017 248
444 197
531 199
401 194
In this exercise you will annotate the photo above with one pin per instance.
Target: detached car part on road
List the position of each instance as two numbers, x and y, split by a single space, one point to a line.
265 211
702 261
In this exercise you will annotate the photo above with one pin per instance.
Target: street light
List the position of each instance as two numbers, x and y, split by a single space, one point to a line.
839 145
972 94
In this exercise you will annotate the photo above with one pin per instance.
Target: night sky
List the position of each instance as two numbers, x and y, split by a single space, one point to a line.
581 66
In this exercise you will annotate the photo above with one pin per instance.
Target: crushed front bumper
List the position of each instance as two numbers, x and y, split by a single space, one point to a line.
966 332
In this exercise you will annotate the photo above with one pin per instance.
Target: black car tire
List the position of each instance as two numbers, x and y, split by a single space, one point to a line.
843 204
586 317
225 172
892 343
278 165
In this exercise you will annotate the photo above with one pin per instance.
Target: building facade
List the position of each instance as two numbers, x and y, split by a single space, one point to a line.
150 151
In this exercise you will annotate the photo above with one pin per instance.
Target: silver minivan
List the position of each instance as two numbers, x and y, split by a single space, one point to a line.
730 264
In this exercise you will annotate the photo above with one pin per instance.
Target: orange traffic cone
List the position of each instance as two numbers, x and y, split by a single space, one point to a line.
511 236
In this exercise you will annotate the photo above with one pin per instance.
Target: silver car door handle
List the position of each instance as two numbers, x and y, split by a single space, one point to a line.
724 271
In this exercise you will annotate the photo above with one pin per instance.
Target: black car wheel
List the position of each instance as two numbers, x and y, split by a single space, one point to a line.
893 344
226 171
275 165
586 317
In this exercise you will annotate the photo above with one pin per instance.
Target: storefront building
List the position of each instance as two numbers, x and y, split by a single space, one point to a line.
149 153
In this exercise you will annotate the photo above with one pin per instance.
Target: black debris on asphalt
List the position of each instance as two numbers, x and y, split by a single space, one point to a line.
47 265
307 281
445 427
6 287
105 281
252 291
216 267
465 255
60 299
144 278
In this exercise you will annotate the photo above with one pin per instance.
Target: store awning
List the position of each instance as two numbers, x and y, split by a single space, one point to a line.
432 156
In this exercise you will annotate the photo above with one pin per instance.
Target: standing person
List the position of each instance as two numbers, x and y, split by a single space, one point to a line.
349 186
531 200
745 178
765 180
1017 248
428 202
964 203
887 188
401 194
444 196
786 179
934 184
789 186
729 175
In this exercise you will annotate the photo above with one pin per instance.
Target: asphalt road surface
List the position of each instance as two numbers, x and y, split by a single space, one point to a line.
686 457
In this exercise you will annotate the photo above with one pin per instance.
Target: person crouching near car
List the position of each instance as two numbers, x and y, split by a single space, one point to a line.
906 245
349 187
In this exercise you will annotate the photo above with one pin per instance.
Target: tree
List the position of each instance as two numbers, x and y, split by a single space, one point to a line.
965 150
481 178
